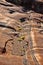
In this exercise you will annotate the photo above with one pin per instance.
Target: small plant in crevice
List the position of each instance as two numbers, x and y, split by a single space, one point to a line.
21 38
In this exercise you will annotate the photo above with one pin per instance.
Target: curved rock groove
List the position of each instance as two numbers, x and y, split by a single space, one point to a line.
9 27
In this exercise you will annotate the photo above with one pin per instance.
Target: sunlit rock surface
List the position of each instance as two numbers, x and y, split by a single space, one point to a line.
21 34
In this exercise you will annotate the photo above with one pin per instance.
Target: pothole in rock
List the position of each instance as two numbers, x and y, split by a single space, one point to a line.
23 19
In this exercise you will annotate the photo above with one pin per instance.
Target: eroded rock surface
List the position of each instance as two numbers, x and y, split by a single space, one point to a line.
21 34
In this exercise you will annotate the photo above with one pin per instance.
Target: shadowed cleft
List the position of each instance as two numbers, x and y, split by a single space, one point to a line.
11 11
9 27
22 19
3 50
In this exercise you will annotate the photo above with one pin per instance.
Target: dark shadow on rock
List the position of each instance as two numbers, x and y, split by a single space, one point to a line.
38 7
2 50
29 5
9 27
22 19
17 2
35 6
11 11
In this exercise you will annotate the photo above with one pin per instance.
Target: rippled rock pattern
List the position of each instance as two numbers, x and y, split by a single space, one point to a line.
21 32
